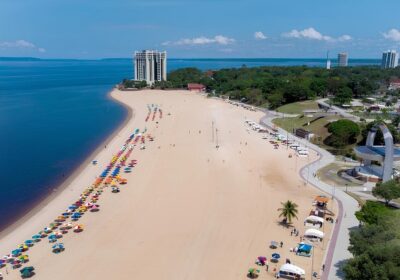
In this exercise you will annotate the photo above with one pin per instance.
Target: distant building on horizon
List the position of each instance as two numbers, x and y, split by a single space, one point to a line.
328 61
343 59
390 59
150 66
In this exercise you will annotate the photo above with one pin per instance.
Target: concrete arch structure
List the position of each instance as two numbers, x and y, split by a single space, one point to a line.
385 155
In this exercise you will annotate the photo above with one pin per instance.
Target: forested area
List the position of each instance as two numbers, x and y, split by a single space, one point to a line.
275 86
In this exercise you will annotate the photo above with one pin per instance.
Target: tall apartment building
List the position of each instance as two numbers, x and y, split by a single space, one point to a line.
150 66
390 59
343 59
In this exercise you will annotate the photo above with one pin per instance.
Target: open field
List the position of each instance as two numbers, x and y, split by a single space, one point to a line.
298 107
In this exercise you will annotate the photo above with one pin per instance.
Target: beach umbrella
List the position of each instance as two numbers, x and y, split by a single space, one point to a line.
42 233
23 258
253 272
53 225
16 252
47 230
16 263
23 247
36 237
276 256
262 259
58 247
29 242
78 228
52 238
274 245
27 271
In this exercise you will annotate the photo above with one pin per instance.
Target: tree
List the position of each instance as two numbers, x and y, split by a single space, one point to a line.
275 99
344 95
362 267
319 87
343 132
372 212
388 191
288 211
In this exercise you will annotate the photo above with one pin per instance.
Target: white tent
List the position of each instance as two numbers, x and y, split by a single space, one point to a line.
290 268
314 233
313 218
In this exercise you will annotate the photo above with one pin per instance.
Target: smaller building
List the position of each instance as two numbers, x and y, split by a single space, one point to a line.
302 133
394 84
196 87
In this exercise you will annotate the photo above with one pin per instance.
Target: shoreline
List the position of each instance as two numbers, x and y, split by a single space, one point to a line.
59 189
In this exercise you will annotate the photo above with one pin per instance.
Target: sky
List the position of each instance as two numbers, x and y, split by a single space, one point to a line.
92 29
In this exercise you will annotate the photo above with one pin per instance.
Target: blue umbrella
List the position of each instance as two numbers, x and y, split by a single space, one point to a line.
36 237
58 246
52 238
16 252
276 256
29 242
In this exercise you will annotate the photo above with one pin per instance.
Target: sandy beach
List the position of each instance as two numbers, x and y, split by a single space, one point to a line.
189 210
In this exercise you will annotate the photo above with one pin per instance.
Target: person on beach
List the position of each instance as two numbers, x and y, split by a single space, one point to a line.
281 244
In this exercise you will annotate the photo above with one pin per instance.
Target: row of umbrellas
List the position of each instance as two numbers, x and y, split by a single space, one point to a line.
74 211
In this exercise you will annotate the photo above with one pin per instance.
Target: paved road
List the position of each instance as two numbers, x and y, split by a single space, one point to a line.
337 251
340 111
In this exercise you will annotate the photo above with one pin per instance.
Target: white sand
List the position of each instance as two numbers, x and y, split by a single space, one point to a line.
189 210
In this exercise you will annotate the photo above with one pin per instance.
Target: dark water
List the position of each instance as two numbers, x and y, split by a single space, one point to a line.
54 113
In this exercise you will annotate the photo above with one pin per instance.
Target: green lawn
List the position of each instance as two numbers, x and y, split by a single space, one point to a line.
298 107
318 127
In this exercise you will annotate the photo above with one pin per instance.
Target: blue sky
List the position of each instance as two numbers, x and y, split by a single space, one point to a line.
198 28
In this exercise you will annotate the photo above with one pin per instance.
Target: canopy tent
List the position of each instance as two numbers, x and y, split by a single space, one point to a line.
313 233
303 247
291 269
321 199
314 219
274 244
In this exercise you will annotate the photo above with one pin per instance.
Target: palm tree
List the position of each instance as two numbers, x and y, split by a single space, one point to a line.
288 211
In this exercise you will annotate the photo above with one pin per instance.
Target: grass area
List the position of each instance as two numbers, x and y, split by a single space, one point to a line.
366 115
360 201
318 127
329 174
298 107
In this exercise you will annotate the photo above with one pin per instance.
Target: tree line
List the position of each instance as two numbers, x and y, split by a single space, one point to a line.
274 86
375 245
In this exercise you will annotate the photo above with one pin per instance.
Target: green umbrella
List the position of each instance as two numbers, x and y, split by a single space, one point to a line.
27 271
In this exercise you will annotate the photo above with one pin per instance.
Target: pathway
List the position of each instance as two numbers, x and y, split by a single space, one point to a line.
337 252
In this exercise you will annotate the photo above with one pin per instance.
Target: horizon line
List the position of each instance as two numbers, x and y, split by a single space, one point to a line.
182 58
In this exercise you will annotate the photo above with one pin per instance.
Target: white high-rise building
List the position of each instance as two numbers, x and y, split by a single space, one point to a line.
343 59
150 66
390 59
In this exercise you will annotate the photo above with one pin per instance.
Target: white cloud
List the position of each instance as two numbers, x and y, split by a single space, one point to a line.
20 44
312 34
219 39
344 38
259 35
393 34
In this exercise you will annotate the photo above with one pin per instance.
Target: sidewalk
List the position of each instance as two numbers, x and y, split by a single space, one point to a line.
337 252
